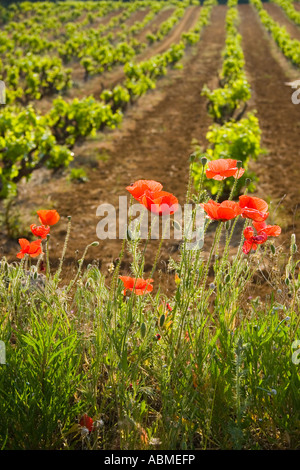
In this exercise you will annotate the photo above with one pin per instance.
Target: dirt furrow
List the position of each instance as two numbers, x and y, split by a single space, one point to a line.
296 5
154 25
279 118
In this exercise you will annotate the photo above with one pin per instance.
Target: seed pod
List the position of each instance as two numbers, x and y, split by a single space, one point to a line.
203 160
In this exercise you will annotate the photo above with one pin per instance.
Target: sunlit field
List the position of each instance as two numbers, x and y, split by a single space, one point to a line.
150 223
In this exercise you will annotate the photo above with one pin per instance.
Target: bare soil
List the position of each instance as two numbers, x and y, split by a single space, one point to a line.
278 15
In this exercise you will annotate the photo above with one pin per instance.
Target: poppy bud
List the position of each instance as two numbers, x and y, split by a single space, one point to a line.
95 244
203 160
247 182
293 244
227 278
239 164
192 157
273 249
162 320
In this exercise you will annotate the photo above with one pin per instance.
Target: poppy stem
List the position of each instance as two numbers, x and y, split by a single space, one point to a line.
39 262
58 272
188 194
159 248
234 186
47 256
117 270
217 236
80 266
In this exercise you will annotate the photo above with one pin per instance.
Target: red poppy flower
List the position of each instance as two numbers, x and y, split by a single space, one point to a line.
33 249
223 168
50 217
149 193
161 203
223 211
87 422
137 285
254 208
251 240
270 230
40 231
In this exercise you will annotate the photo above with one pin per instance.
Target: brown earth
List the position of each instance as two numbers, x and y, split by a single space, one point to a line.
296 5
154 25
278 15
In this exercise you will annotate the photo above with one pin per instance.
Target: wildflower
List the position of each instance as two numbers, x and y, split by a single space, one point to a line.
137 285
253 208
48 217
169 307
223 211
86 422
33 249
251 240
142 187
158 336
161 203
149 193
223 168
40 231
270 230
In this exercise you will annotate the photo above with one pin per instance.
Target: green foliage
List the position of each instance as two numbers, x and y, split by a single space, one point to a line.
26 144
290 47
